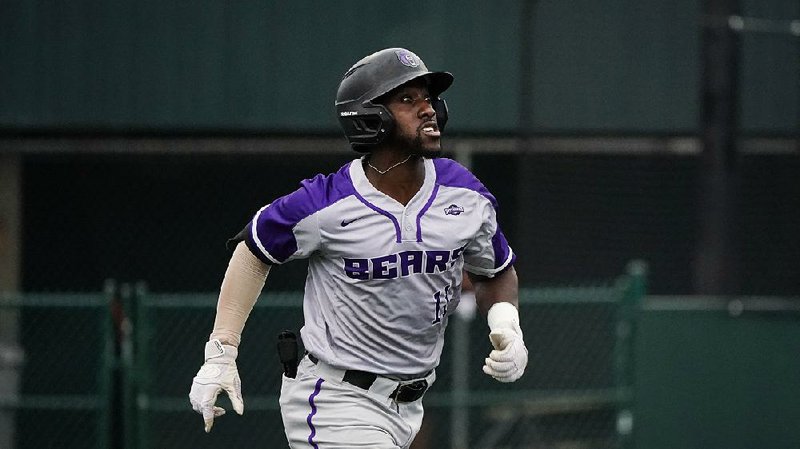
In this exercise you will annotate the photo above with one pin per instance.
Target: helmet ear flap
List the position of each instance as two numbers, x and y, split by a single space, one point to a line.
366 125
440 106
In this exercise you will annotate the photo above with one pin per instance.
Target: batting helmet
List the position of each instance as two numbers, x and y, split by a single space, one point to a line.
366 123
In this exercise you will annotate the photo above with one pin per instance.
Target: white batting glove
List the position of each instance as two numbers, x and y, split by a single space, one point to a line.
218 373
510 356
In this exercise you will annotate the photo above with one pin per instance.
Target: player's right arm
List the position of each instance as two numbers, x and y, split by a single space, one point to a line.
283 230
243 282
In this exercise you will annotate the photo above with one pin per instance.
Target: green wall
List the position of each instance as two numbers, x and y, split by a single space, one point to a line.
623 66
706 379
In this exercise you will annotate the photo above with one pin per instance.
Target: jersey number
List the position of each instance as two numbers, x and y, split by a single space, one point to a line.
441 298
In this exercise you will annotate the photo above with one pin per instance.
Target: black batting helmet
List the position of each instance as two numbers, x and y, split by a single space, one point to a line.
366 123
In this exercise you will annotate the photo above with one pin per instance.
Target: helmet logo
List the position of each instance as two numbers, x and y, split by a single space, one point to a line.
407 58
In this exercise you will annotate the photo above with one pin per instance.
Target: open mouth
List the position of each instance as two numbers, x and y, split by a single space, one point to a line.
430 129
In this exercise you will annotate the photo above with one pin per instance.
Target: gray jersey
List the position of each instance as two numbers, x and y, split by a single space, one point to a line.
383 278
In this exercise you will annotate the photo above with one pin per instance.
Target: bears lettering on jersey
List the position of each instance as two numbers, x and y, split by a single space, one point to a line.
401 264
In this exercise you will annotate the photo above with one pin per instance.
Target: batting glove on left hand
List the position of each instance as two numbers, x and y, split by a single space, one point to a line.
507 362
218 373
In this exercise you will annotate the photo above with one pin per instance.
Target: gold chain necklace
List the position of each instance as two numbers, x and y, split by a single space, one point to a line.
383 172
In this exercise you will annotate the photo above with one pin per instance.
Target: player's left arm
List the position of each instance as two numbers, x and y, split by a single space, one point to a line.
498 299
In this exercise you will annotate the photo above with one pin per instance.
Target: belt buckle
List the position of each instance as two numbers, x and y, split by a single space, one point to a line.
410 392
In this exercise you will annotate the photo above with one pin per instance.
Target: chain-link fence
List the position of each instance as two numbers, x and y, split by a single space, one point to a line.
85 385
57 392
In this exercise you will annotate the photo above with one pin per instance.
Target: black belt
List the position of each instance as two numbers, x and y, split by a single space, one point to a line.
362 379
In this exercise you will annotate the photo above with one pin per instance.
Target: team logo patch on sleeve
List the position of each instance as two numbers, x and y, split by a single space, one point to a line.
453 210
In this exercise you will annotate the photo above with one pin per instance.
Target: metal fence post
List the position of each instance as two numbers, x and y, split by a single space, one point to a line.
143 331
459 412
107 366
128 367
632 288
12 358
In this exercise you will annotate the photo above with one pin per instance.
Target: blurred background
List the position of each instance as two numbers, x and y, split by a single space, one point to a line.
645 155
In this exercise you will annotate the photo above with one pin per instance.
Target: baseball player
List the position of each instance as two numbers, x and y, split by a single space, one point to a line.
388 238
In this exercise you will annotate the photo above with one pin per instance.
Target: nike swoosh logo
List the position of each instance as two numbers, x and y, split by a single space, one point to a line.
346 222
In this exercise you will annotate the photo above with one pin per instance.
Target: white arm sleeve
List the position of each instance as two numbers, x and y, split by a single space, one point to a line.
243 282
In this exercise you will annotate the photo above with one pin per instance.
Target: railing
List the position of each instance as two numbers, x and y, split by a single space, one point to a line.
59 392
133 384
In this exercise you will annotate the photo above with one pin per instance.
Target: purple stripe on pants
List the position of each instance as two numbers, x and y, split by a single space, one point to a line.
313 412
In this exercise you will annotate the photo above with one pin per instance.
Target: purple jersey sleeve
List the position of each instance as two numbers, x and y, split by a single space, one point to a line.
274 234
452 174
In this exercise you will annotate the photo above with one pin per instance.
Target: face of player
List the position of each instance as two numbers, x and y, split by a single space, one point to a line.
415 129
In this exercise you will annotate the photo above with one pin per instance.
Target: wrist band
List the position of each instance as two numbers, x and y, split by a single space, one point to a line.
503 314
